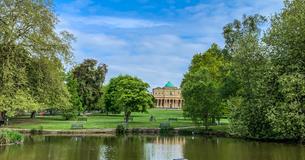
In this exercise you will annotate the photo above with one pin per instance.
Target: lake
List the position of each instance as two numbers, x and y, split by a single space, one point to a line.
148 148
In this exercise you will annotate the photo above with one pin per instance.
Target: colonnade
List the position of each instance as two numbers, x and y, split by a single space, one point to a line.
169 103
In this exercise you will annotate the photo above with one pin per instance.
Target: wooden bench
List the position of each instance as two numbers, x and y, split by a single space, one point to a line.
77 126
164 125
173 119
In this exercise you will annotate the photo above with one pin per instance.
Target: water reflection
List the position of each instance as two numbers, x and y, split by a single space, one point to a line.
164 148
147 148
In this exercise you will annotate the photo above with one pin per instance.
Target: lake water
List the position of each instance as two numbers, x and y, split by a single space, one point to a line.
148 148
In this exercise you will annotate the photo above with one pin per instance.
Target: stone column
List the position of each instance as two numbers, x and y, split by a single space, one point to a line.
161 105
175 105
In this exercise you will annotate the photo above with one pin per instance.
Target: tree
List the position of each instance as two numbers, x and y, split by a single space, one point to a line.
127 94
201 86
46 78
27 36
90 77
75 100
285 40
250 66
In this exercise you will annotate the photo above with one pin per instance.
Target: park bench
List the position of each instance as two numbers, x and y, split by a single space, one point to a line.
164 125
77 126
173 119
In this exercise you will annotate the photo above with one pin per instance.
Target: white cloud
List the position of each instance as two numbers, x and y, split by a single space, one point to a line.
157 51
112 22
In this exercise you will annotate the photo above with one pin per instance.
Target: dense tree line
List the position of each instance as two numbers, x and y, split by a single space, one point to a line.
258 79
32 77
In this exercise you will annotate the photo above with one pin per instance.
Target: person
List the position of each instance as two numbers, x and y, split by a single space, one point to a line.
152 118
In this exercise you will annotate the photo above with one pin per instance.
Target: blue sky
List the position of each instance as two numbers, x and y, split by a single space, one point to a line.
151 39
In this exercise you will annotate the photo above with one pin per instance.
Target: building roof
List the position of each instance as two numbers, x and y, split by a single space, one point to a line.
169 85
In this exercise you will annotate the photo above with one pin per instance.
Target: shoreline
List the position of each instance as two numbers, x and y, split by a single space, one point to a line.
148 131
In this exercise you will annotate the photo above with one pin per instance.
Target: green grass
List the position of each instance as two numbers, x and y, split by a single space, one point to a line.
100 121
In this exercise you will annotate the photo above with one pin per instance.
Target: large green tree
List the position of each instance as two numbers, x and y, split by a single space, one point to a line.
127 94
201 86
75 100
285 39
249 67
90 77
27 40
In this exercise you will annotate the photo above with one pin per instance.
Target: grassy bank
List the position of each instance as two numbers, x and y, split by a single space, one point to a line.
101 121
10 137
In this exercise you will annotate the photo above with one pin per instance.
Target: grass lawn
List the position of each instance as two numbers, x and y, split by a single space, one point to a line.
100 121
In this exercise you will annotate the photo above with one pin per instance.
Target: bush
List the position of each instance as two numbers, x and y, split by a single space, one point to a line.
37 131
9 137
120 129
70 114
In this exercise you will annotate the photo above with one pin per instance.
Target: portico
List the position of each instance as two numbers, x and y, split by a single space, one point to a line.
168 96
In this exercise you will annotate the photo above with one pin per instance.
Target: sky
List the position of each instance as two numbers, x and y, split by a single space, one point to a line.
154 40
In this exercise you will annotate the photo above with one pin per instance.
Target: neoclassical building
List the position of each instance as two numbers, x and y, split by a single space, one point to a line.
168 96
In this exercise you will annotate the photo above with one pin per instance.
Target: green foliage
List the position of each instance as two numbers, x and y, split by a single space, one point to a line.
38 130
249 67
9 137
201 86
70 114
75 100
31 72
90 77
286 40
120 129
127 94
264 85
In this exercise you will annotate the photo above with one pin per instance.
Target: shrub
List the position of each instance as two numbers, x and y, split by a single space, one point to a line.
9 137
70 114
37 131
120 129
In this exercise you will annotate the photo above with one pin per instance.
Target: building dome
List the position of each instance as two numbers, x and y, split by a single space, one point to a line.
169 85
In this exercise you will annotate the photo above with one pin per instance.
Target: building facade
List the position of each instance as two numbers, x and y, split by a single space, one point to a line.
168 97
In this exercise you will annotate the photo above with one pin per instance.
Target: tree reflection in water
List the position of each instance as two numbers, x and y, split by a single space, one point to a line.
147 148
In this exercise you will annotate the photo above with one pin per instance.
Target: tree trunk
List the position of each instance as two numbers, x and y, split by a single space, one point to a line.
213 120
33 114
206 119
51 112
2 118
127 115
